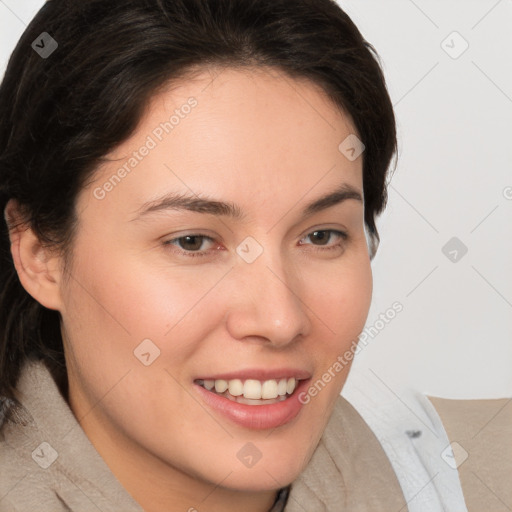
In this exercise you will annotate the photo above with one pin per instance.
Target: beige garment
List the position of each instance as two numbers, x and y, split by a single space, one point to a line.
349 471
480 432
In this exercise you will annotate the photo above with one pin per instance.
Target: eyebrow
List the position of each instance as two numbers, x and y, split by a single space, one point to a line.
201 204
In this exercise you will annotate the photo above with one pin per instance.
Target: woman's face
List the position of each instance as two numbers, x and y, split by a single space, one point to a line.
204 260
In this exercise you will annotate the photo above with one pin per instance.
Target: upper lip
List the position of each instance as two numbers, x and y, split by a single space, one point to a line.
261 374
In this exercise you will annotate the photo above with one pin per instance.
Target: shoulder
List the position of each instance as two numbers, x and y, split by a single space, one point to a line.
480 434
461 447
47 463
24 485
349 470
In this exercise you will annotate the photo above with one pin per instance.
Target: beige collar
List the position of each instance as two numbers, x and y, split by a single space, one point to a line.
348 472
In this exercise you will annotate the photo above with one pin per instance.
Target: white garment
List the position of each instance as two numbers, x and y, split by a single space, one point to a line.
414 439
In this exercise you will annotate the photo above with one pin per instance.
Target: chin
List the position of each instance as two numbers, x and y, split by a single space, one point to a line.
268 477
258 472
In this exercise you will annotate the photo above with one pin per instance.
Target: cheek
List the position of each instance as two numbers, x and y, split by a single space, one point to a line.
341 299
115 302
342 305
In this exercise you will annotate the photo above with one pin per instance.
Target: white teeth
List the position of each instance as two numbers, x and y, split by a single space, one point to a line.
290 386
281 387
236 387
252 389
269 389
221 385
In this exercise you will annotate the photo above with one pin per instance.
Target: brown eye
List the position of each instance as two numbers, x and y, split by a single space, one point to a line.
324 236
191 242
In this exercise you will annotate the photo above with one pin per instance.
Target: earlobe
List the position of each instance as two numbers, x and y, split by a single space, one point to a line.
37 267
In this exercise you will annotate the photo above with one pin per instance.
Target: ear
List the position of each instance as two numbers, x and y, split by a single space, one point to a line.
38 268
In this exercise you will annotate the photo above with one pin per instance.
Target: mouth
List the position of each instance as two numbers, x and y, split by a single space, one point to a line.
252 391
257 398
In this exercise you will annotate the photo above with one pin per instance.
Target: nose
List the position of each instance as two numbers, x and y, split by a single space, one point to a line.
267 303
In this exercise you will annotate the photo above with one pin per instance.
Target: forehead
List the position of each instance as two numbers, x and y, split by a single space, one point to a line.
254 134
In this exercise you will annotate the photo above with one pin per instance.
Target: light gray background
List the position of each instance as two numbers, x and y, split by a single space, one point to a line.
453 179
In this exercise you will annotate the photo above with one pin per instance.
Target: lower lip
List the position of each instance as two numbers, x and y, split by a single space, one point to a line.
256 417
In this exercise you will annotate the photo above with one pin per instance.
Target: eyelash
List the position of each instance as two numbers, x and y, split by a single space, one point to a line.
194 254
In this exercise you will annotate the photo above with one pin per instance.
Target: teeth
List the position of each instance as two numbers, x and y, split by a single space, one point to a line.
236 387
269 389
290 386
221 385
252 389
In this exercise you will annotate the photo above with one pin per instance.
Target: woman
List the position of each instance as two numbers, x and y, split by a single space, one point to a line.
190 191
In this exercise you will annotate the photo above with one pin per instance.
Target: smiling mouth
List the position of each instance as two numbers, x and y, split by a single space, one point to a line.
251 391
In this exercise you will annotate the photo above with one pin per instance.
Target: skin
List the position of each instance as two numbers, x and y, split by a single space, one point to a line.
269 144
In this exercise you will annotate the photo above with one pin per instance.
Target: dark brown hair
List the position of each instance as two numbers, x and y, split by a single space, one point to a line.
60 115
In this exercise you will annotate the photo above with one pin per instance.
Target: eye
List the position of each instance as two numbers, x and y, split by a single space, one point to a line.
192 244
322 237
